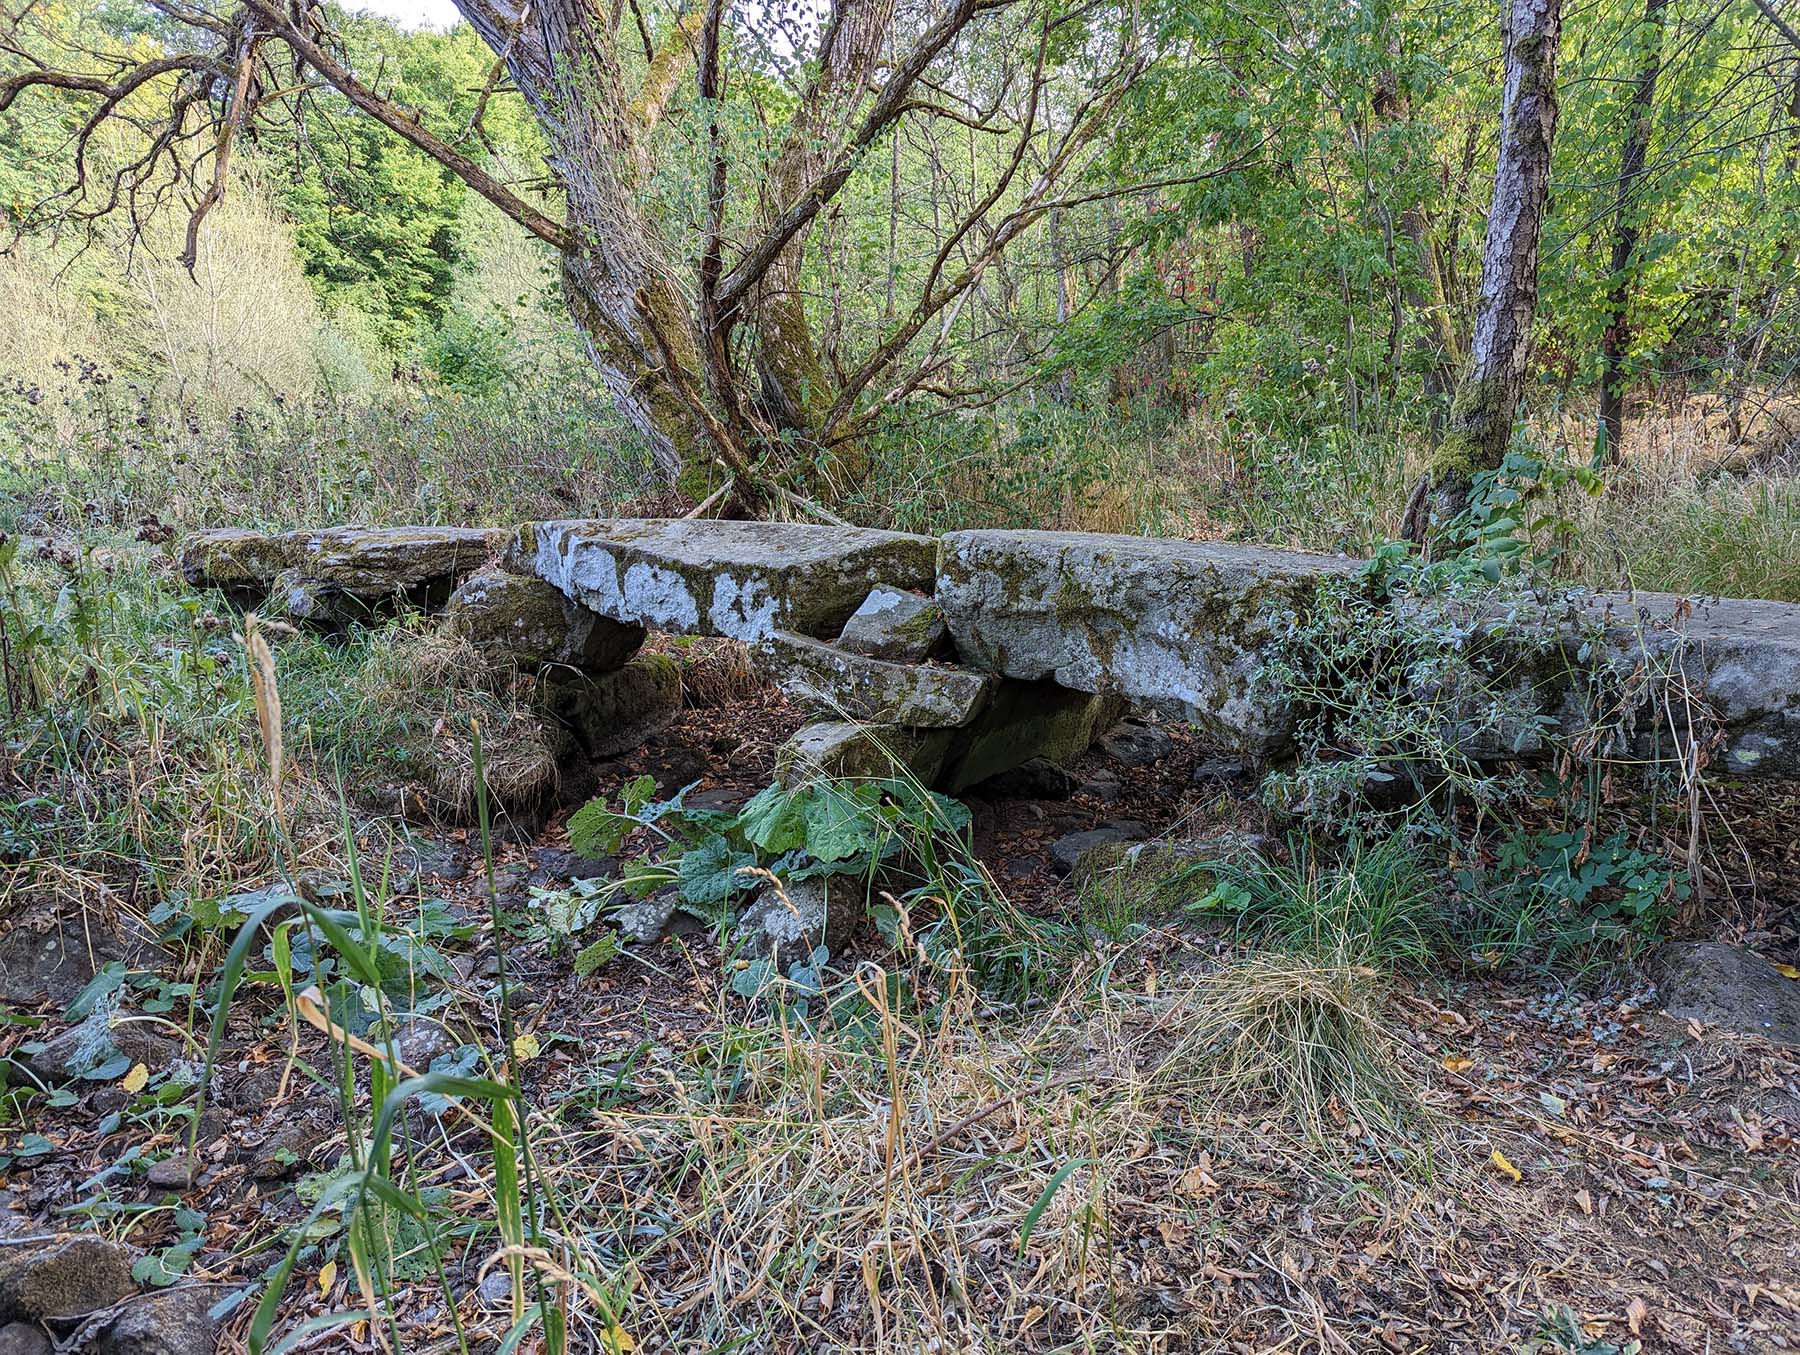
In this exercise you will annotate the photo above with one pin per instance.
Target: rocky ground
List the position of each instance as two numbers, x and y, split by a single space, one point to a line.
1580 1168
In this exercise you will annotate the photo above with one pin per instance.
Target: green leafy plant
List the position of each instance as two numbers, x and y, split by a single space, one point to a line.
1567 894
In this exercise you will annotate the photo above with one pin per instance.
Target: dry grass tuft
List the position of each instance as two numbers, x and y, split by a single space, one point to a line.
1304 1038
714 672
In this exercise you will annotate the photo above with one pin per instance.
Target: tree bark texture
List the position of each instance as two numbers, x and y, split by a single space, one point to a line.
1487 399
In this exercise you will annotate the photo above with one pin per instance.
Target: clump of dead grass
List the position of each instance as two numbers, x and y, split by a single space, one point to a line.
1305 1038
714 672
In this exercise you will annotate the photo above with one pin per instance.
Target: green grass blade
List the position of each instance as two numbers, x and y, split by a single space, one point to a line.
1036 1211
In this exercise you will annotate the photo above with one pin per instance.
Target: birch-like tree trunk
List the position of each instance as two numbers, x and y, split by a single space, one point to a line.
1487 399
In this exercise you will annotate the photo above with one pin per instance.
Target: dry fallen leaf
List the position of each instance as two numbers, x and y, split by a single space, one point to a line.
1458 1065
526 1048
1787 971
1198 1179
1635 1313
1585 1202
136 1080
1505 1168
327 1276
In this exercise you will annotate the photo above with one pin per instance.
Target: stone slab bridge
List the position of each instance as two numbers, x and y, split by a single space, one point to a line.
959 657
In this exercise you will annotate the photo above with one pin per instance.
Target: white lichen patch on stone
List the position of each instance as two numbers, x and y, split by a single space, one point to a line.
743 611
741 580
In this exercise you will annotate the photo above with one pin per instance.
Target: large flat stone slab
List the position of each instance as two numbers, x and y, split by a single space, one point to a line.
1173 625
1725 664
856 687
742 580
367 563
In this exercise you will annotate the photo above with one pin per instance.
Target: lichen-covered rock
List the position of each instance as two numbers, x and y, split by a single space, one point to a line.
1740 655
840 750
1069 851
786 925
741 580
371 566
374 562
1727 986
854 687
235 559
1174 625
173 1322
613 712
895 624
67 1276
643 922
101 1040
516 619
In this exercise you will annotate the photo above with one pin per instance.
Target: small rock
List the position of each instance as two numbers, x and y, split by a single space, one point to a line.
1220 770
21 1338
643 921
895 624
1727 986
1038 779
555 865
91 1045
1136 743
495 1287
446 861
1103 785
1066 851
1022 867
66 1277
171 1173
787 925
283 1153
418 1042
721 799
172 1322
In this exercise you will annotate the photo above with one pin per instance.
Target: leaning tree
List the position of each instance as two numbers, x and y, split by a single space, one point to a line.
699 325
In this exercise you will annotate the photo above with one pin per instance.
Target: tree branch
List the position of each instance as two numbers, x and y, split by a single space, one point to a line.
887 108
553 233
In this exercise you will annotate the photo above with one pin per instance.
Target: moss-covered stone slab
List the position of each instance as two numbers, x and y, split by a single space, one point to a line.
1657 670
610 713
371 565
372 562
895 624
853 687
741 580
1172 625
1739 656
234 559
514 619
841 750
